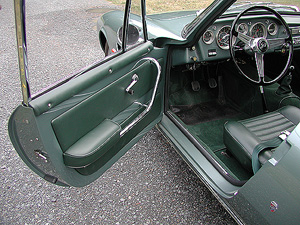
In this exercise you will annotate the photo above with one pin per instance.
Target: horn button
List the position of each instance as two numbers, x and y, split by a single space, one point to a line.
261 45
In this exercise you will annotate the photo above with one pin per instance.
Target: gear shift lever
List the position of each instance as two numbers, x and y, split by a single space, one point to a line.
285 85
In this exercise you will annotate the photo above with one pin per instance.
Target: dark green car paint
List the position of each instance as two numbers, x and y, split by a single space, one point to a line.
272 195
29 144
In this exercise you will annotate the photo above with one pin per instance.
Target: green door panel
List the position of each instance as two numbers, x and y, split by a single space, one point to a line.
83 83
104 104
78 124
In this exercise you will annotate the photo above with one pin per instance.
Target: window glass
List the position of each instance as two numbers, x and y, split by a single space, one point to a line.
135 33
136 7
163 6
173 14
64 36
135 27
282 2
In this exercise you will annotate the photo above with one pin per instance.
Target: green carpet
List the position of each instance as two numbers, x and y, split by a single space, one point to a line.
210 134
208 127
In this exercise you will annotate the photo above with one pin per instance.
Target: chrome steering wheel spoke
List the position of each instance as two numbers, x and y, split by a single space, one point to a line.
259 59
245 38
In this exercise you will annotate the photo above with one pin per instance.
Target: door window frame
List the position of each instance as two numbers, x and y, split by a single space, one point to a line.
19 8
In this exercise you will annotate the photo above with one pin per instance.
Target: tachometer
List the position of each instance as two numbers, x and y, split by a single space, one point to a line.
208 37
258 30
223 37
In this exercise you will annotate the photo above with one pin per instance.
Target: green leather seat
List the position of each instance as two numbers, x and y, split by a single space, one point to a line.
241 137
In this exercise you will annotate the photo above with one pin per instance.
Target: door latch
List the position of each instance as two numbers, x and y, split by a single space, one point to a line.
41 155
134 80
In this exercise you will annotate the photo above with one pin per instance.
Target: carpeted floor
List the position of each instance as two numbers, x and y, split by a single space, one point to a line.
205 122
204 112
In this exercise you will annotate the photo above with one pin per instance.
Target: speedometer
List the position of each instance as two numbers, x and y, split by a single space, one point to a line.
223 37
258 30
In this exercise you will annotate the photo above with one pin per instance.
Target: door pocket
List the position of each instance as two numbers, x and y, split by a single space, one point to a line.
93 145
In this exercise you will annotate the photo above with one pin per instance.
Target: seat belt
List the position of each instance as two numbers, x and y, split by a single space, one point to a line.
273 143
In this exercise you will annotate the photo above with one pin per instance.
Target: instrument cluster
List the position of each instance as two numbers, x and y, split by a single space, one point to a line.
219 34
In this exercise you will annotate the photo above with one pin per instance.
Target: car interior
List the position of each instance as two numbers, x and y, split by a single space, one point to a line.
214 104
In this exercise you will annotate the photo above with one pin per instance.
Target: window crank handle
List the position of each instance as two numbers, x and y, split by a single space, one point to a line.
134 80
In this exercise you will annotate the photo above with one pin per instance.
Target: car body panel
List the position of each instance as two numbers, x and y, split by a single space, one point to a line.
26 143
273 193
196 160
109 24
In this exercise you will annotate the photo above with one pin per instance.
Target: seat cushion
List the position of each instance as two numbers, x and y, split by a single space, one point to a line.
241 137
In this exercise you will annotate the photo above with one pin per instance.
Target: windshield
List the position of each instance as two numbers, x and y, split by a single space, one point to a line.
161 6
158 10
241 5
279 5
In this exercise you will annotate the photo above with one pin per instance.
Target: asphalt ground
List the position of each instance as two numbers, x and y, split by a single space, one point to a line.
150 184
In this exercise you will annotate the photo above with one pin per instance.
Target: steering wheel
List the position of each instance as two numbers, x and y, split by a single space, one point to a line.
259 46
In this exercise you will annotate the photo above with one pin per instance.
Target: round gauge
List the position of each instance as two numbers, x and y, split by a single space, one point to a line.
272 29
242 28
208 37
258 30
223 37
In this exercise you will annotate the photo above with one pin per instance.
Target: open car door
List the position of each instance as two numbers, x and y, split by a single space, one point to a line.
71 133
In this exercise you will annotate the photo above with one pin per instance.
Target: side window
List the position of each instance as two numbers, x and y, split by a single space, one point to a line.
64 38
135 34
134 30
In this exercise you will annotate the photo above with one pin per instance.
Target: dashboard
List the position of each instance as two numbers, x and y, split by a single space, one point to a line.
252 28
214 43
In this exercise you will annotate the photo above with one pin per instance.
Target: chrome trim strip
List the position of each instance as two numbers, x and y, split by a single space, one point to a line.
22 48
149 106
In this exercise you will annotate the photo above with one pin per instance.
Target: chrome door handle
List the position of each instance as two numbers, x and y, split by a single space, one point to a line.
134 80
